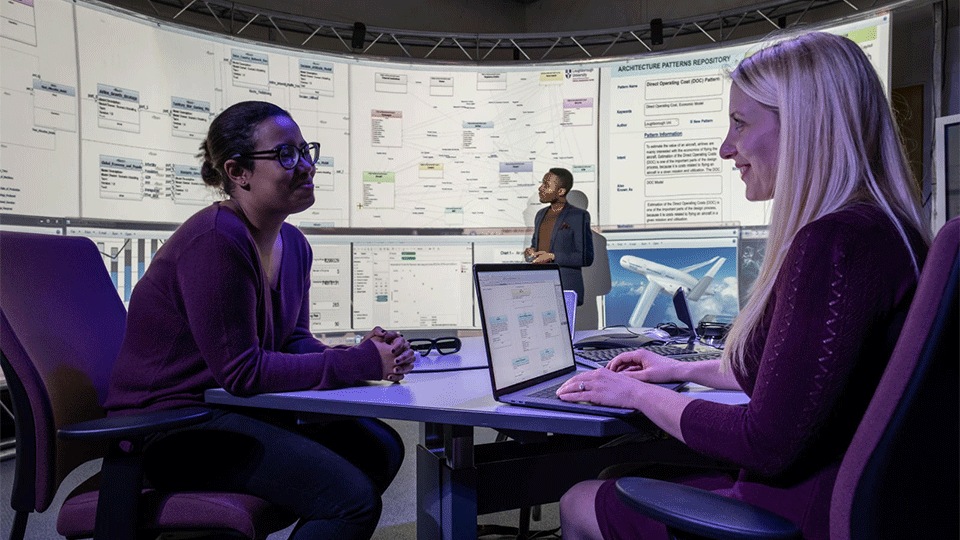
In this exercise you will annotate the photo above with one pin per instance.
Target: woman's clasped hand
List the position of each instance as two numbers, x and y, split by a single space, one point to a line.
395 353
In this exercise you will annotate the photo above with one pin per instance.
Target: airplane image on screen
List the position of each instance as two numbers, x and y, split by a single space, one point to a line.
662 278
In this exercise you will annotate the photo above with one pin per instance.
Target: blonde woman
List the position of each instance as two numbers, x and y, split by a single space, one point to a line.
811 129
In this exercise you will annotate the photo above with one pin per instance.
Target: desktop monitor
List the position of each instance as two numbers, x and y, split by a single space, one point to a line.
753 246
647 267
946 159
32 224
127 247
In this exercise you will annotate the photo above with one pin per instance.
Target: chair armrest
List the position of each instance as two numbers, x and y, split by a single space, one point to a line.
696 511
133 426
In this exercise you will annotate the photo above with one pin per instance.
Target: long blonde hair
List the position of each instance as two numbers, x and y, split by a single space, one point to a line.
838 145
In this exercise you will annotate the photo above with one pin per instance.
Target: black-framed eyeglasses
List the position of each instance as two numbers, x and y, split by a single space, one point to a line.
287 155
443 345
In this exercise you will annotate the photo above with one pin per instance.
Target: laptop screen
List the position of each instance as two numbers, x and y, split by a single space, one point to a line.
524 322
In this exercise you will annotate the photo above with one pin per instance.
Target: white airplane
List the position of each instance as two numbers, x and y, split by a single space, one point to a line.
662 278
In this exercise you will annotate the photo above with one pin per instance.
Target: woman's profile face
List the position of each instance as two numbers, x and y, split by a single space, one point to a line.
274 188
753 143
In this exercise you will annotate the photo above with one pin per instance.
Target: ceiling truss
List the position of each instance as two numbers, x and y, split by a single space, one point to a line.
230 18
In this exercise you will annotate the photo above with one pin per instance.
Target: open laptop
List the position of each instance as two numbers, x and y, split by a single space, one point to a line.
525 330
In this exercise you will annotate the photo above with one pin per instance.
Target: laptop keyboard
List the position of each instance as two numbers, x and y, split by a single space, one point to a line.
602 356
696 356
548 392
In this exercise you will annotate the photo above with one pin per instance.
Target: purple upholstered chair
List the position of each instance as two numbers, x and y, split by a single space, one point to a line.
899 477
61 324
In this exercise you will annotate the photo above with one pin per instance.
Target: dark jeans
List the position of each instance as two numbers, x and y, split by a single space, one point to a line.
330 475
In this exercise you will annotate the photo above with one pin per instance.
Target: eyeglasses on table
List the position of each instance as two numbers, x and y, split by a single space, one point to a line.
443 345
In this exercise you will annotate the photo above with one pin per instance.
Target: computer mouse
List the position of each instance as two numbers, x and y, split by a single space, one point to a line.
656 333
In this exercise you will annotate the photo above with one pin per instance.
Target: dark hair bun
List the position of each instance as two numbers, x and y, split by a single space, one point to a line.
211 176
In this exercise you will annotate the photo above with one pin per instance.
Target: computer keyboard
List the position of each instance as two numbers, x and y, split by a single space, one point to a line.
697 356
548 392
602 356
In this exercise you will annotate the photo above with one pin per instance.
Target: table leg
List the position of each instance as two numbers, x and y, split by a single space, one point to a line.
446 483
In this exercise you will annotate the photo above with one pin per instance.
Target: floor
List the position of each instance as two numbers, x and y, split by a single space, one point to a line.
398 521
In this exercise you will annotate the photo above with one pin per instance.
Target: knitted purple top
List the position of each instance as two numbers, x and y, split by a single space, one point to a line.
813 364
203 316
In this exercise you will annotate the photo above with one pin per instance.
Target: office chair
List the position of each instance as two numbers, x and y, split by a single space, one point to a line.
596 277
61 325
899 477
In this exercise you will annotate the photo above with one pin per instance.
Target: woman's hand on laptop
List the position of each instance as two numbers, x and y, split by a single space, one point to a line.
603 387
647 366
663 406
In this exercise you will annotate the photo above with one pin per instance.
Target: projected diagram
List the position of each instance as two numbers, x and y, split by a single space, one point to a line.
667 121
465 148
661 132
38 104
407 284
142 128
330 286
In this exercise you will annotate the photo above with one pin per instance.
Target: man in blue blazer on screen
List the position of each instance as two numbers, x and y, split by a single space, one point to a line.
561 232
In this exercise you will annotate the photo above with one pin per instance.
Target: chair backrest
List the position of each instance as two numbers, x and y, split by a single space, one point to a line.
61 325
596 277
899 477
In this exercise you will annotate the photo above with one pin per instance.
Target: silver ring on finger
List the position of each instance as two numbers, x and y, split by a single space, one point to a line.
582 387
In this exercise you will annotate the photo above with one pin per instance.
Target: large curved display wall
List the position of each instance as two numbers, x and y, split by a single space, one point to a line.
103 113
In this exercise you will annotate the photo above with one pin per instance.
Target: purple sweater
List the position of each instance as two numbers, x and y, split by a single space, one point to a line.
204 317
813 364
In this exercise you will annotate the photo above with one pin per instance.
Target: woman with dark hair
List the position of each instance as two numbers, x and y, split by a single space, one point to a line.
225 303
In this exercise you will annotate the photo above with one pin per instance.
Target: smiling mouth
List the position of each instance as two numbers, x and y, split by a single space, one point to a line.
307 182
